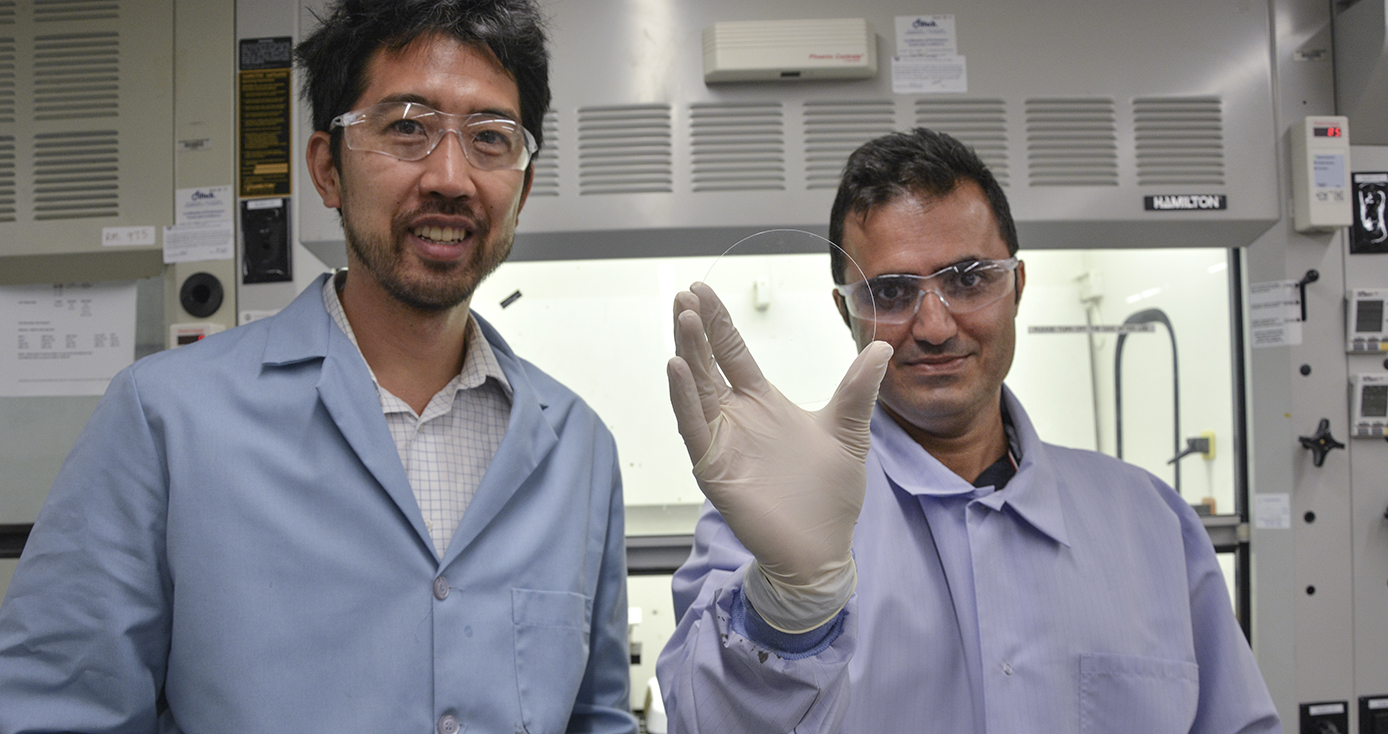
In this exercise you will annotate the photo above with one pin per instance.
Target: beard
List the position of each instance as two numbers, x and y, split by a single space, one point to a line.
442 285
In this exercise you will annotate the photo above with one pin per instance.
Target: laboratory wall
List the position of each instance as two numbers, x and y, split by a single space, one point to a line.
1085 109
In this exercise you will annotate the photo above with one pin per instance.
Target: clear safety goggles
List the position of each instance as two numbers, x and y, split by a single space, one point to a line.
962 287
410 131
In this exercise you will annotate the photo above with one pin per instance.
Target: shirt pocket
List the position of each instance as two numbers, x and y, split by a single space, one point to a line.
1137 695
551 629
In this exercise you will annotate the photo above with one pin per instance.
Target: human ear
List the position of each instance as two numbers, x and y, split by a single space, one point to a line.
323 171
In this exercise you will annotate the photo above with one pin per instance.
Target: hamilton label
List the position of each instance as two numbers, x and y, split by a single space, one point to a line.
1186 202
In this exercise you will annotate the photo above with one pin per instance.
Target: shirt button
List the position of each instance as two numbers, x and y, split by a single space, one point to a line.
1007 668
441 589
448 724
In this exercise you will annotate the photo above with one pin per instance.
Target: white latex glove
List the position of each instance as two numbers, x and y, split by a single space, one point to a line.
788 482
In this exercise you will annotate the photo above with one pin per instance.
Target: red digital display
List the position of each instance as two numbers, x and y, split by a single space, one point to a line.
1333 131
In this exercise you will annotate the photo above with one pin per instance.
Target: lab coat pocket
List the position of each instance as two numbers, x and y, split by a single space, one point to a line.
551 629
1137 695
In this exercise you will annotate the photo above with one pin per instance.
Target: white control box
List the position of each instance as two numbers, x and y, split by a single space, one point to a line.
1369 403
1320 174
1366 321
772 50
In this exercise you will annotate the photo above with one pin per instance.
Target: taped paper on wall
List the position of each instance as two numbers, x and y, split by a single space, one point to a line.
65 339
1274 311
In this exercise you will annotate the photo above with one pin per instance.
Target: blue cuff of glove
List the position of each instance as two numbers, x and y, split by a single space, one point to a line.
791 646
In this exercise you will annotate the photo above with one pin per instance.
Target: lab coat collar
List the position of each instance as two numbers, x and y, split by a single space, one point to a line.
1034 493
304 331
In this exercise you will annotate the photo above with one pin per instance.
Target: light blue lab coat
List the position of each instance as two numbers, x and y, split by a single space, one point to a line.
233 546
1084 597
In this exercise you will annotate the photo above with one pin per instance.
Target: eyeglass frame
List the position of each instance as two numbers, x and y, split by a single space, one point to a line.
354 117
1009 264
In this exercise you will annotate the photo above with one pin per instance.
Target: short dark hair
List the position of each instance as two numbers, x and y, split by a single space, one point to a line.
921 162
334 57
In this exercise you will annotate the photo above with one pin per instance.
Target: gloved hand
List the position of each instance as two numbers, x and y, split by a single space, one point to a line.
788 482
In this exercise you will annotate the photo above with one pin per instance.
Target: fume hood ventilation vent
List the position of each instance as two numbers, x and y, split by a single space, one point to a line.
1072 142
625 150
7 77
7 179
1180 141
76 76
80 118
76 175
738 147
980 124
546 182
7 12
54 11
833 130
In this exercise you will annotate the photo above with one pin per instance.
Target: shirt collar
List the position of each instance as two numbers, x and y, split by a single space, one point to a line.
1033 493
479 360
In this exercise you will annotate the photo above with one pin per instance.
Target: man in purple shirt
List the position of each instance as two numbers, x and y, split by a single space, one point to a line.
993 583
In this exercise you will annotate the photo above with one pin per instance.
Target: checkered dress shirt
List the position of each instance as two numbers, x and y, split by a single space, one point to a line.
447 449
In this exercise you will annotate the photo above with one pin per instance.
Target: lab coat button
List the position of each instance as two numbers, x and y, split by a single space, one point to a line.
448 724
441 588
1007 668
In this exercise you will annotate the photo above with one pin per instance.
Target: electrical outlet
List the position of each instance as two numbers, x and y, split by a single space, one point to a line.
265 241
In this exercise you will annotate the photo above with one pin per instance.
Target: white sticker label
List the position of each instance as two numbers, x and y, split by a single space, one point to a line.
1272 511
1330 170
929 74
925 35
126 236
196 242
205 204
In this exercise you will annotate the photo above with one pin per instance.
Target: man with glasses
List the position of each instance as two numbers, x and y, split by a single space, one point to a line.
366 513
993 583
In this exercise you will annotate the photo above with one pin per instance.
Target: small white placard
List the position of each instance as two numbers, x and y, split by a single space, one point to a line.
193 242
1272 511
204 204
1274 311
127 236
925 35
65 339
929 74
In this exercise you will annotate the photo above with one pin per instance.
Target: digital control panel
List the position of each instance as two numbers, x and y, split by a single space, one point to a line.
1366 321
1320 174
1369 404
